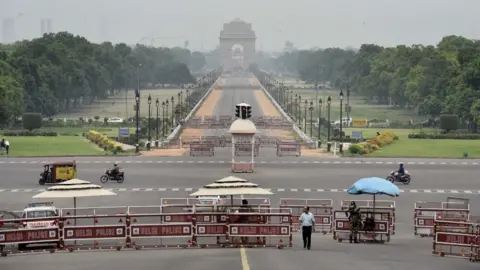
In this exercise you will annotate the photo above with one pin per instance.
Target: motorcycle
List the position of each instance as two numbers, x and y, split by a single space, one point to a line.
109 177
394 177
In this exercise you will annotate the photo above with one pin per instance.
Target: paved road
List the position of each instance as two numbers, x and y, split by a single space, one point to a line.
151 179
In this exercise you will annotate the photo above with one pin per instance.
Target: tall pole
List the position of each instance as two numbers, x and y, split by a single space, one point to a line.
319 112
341 120
299 110
163 119
305 117
173 110
157 103
137 116
329 101
311 118
167 121
149 118
348 102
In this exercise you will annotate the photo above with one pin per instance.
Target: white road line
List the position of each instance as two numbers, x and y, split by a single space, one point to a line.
135 189
189 189
14 190
427 191
454 191
281 190
307 190
2 190
149 189
175 189
334 190
320 190
162 189
468 191
294 190
413 190
440 191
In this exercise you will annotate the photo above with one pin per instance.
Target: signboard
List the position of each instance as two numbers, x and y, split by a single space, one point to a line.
357 134
27 236
123 132
259 230
356 123
211 230
64 172
94 232
461 239
157 230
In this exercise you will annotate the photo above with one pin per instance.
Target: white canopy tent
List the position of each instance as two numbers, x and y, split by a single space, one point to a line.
74 188
231 186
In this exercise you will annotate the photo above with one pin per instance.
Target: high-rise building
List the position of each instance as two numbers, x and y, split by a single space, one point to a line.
45 26
8 30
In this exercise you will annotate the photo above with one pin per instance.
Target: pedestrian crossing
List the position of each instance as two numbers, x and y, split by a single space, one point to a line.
275 190
257 162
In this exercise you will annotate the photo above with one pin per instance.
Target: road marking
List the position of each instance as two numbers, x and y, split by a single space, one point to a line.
304 190
258 162
243 255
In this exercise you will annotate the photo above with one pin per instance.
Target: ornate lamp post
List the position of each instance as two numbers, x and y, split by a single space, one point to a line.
319 111
311 118
149 115
157 104
305 117
329 102
173 109
137 122
166 118
163 119
341 121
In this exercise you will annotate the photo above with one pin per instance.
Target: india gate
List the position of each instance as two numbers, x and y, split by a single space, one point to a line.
237 45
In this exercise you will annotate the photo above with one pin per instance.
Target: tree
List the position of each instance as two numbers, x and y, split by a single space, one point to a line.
433 79
58 72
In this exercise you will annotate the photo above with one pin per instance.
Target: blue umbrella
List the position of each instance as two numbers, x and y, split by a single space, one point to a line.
374 186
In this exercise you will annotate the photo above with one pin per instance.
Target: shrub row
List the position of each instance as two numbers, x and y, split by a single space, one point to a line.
373 144
453 136
13 133
103 142
347 139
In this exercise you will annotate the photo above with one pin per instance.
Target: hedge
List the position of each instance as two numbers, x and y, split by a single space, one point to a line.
373 144
12 133
451 136
102 141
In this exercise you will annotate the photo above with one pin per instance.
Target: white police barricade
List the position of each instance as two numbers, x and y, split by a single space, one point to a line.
380 206
322 209
379 233
425 213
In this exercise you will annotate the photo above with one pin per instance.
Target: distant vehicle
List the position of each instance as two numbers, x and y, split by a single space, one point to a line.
115 120
346 122
38 210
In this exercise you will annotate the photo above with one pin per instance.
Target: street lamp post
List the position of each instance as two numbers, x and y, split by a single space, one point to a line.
311 118
157 104
167 121
149 116
163 119
341 121
319 111
137 116
329 102
180 103
296 107
188 98
305 117
299 110
173 110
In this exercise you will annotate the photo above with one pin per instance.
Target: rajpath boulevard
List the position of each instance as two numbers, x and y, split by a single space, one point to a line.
148 179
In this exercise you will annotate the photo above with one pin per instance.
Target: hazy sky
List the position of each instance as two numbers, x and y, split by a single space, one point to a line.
307 23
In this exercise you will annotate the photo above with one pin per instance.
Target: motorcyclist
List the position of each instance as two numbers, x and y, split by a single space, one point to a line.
401 171
114 171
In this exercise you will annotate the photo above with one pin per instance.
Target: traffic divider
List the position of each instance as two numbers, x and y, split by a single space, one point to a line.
289 148
375 227
425 213
367 206
456 239
322 209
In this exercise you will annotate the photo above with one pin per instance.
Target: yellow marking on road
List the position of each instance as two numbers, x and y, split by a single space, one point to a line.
243 254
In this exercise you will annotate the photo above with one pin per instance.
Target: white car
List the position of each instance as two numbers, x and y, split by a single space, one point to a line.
114 120
346 122
38 210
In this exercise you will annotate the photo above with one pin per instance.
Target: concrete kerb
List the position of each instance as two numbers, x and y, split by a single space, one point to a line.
297 130
178 128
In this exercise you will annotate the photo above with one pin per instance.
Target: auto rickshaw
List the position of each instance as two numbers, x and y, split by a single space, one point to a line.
58 172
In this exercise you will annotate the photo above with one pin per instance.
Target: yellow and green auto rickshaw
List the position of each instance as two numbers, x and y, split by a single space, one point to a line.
58 172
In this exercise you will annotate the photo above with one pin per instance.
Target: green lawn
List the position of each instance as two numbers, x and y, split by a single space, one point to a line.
121 105
421 148
52 146
430 149
360 109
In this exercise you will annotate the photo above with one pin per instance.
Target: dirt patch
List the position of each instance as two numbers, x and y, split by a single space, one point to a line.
207 107
164 153
315 153
192 132
278 132
267 107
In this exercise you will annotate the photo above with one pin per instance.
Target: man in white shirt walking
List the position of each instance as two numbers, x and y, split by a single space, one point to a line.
307 221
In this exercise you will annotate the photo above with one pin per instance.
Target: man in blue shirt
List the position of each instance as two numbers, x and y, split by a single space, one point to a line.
307 221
